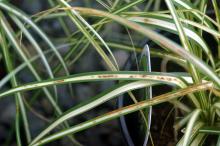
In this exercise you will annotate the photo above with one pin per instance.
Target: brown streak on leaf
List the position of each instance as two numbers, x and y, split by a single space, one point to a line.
107 76
60 81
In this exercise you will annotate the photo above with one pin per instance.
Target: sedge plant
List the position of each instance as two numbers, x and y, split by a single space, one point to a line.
189 21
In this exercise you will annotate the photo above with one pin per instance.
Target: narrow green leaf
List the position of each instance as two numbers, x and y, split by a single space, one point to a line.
120 89
193 134
11 37
19 101
167 78
210 130
36 46
161 40
25 18
74 16
190 125
123 111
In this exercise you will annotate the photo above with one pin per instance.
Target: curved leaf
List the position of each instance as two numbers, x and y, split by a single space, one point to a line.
117 113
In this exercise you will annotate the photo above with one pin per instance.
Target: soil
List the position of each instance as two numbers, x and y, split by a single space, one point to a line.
165 138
